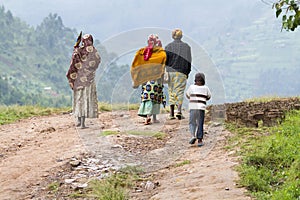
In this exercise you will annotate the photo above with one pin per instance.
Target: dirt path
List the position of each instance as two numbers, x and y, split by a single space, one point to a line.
210 175
31 150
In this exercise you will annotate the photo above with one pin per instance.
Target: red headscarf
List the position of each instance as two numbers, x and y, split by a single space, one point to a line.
153 41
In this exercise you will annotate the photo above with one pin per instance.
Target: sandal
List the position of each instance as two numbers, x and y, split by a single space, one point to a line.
148 121
200 143
180 116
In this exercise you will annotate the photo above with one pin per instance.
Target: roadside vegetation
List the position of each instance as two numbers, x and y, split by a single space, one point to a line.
13 113
270 158
115 186
10 114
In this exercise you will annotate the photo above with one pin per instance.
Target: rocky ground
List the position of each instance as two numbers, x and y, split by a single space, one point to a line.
36 152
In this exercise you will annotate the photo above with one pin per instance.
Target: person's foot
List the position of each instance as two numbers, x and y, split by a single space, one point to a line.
156 121
83 127
171 117
200 143
180 116
78 122
193 140
147 121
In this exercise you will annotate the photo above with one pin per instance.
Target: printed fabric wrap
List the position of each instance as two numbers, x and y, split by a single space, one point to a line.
81 77
145 70
84 63
152 90
177 83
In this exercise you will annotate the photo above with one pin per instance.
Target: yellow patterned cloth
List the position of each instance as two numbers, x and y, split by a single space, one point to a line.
176 83
146 70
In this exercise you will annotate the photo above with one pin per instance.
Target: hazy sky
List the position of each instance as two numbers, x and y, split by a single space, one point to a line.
107 18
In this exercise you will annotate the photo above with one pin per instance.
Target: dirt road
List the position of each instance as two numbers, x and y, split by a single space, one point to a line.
31 150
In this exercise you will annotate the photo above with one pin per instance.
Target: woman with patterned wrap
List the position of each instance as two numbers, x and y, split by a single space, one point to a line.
81 76
152 90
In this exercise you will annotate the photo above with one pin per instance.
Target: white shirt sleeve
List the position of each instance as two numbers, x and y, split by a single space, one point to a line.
208 94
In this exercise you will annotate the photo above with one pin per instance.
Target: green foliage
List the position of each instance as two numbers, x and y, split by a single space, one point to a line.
9 114
291 17
271 162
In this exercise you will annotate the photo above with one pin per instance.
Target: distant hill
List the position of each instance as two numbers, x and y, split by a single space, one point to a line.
34 61
257 59
253 57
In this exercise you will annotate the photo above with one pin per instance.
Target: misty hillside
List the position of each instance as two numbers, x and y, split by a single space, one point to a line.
239 46
34 61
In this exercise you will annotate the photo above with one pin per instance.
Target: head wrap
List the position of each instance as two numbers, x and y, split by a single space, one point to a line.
87 40
153 41
200 77
84 63
177 34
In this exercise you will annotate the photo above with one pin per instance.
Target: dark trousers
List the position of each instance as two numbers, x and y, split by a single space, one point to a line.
196 122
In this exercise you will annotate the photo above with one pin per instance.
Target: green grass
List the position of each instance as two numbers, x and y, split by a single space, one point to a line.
115 187
10 114
13 113
185 162
265 99
53 187
156 134
109 132
270 166
104 106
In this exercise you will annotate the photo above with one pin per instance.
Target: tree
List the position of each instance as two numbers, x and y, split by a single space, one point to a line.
52 34
291 16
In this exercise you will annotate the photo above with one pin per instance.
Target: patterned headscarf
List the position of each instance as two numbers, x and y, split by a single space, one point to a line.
84 63
153 41
177 34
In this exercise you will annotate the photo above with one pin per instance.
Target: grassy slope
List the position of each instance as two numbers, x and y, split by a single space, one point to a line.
270 166
10 114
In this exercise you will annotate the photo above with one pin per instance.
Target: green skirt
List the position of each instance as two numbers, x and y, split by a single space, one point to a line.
148 108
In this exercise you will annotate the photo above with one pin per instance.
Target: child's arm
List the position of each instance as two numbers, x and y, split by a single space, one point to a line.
208 94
